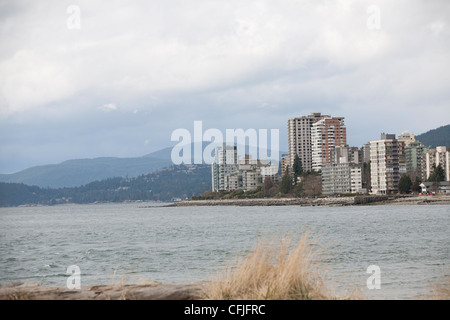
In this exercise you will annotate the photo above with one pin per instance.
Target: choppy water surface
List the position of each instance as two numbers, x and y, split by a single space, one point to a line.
127 242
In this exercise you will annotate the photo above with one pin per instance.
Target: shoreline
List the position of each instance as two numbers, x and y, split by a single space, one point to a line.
329 201
321 201
143 290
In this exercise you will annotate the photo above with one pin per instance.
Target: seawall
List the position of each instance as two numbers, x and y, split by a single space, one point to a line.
329 201
344 201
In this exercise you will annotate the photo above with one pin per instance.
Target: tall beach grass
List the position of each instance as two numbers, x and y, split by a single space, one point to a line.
276 270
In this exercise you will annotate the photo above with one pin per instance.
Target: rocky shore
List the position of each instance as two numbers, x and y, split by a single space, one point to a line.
267 202
419 200
328 201
143 290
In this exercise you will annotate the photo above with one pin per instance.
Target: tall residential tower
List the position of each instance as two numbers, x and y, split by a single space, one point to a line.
326 134
299 137
226 162
384 165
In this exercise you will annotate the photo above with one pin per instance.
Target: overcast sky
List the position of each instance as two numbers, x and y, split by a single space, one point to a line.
85 79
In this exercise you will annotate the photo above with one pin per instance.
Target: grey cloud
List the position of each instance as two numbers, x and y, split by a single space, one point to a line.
164 64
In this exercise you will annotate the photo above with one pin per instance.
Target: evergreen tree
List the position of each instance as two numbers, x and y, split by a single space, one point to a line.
286 182
405 183
438 175
297 168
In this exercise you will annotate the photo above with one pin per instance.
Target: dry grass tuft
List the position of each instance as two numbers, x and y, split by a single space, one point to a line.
18 296
273 272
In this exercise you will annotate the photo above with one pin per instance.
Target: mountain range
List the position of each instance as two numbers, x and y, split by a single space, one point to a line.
73 173
78 172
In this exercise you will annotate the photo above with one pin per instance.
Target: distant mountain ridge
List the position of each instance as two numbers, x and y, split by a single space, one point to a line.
168 184
72 173
436 137
78 172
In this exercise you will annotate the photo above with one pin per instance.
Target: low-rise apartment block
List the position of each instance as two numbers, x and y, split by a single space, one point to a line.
344 175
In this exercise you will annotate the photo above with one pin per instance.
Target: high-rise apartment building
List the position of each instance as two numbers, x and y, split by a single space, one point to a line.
326 134
384 166
406 138
299 138
313 138
365 150
226 162
415 160
403 141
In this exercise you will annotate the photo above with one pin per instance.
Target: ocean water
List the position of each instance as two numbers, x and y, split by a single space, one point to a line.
113 243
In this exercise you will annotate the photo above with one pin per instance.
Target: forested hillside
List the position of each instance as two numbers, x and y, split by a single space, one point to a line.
164 185
436 137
